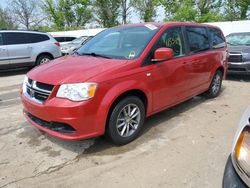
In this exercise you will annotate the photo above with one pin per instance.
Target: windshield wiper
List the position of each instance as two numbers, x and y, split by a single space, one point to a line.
233 44
96 55
77 53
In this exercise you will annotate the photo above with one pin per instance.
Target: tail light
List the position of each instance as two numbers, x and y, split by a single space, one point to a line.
57 43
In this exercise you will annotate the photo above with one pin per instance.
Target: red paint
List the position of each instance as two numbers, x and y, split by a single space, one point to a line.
171 82
164 54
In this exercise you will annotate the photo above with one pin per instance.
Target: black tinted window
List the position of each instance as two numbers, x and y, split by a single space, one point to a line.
33 38
198 39
1 39
64 39
217 38
67 39
172 38
15 38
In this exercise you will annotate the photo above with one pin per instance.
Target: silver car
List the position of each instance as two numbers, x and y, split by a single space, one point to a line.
70 47
26 48
237 171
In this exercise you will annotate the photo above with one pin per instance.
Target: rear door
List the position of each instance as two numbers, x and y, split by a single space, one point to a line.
18 47
4 56
200 63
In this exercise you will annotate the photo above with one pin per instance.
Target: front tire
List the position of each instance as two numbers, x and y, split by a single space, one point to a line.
126 120
215 86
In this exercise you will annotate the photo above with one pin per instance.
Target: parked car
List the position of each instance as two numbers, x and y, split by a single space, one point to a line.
69 48
26 49
64 39
239 53
237 171
123 75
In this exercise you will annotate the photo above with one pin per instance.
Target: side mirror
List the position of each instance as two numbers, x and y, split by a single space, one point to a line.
163 54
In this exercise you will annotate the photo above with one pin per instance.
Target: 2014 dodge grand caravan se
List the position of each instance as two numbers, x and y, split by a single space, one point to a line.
123 75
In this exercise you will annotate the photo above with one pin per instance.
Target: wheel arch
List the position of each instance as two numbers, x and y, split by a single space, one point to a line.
44 53
133 92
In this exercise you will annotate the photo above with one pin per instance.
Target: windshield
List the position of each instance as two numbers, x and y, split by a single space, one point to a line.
120 42
238 39
79 40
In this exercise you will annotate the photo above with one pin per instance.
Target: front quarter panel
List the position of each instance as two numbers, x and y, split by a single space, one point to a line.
111 90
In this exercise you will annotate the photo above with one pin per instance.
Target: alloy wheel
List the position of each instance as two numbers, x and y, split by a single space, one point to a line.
128 120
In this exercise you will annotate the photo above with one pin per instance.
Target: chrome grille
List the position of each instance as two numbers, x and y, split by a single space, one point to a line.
235 57
38 91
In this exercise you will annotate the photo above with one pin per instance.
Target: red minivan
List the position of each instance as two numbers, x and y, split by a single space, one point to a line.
123 75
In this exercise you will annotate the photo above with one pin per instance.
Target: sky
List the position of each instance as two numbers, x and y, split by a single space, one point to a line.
134 18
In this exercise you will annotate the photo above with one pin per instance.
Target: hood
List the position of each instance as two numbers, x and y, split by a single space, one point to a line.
73 69
240 49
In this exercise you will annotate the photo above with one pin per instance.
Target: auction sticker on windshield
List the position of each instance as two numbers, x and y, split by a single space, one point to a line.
151 26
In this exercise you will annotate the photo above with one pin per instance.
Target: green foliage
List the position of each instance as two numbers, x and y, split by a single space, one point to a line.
68 13
192 10
107 12
6 22
146 9
237 10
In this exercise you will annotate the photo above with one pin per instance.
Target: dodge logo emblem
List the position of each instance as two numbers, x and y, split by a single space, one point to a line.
32 93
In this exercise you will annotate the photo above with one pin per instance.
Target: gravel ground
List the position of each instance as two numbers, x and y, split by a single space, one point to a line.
185 146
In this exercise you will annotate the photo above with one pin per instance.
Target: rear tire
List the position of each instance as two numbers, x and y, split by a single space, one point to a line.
43 59
126 120
215 86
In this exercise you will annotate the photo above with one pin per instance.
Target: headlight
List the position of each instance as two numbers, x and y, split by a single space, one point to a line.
77 92
25 81
242 150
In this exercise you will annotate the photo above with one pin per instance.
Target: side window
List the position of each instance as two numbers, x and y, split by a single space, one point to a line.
33 37
1 39
197 39
172 38
59 39
217 38
15 38
68 39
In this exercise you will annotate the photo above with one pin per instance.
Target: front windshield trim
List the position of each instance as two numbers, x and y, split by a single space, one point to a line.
121 29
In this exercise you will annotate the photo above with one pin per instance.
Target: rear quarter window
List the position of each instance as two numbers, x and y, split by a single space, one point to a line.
34 38
197 39
216 38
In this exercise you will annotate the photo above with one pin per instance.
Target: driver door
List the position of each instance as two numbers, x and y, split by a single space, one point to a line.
170 77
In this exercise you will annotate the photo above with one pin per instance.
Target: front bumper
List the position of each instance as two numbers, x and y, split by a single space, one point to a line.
231 179
239 68
78 115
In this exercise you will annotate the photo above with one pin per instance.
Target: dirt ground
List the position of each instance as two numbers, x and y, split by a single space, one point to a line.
185 146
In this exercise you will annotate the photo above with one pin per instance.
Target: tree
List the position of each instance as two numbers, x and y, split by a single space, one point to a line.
180 10
125 6
6 22
65 14
107 12
237 10
26 13
146 9
192 10
209 10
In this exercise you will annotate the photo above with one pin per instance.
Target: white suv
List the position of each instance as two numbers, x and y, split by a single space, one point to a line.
26 48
